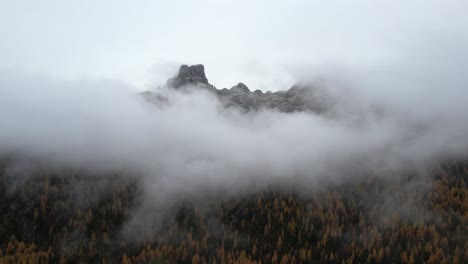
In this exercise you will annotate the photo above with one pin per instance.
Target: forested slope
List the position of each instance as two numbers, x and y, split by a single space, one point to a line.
70 216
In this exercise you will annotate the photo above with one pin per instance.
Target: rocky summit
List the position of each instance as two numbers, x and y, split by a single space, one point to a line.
297 98
189 75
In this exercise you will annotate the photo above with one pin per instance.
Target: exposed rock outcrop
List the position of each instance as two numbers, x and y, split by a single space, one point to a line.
297 98
189 75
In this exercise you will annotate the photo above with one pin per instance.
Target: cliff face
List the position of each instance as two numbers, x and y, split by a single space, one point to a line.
297 98
189 75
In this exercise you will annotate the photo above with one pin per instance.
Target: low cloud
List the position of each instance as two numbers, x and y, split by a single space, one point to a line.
405 114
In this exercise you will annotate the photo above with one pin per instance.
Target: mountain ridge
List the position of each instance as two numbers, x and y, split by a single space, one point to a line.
298 98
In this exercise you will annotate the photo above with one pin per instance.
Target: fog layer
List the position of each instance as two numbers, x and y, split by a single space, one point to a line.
408 112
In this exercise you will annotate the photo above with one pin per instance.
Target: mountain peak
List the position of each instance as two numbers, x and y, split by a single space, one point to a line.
189 75
297 98
241 87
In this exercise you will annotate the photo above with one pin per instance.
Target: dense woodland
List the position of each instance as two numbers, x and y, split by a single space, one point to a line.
72 216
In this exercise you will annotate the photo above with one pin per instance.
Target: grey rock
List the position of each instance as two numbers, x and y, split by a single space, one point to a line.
258 92
223 91
241 87
298 98
189 75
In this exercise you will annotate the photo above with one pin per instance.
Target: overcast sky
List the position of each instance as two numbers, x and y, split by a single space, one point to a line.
256 42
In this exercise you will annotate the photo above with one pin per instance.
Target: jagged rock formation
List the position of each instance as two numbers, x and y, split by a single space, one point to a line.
189 75
297 98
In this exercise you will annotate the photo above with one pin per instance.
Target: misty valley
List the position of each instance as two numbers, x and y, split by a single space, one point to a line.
313 132
189 173
232 176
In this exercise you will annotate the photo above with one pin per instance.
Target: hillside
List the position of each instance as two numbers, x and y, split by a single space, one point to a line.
49 217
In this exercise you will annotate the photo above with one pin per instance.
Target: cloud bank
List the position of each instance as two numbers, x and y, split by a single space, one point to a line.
408 113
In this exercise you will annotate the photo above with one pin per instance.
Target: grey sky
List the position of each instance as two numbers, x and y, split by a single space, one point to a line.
257 42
